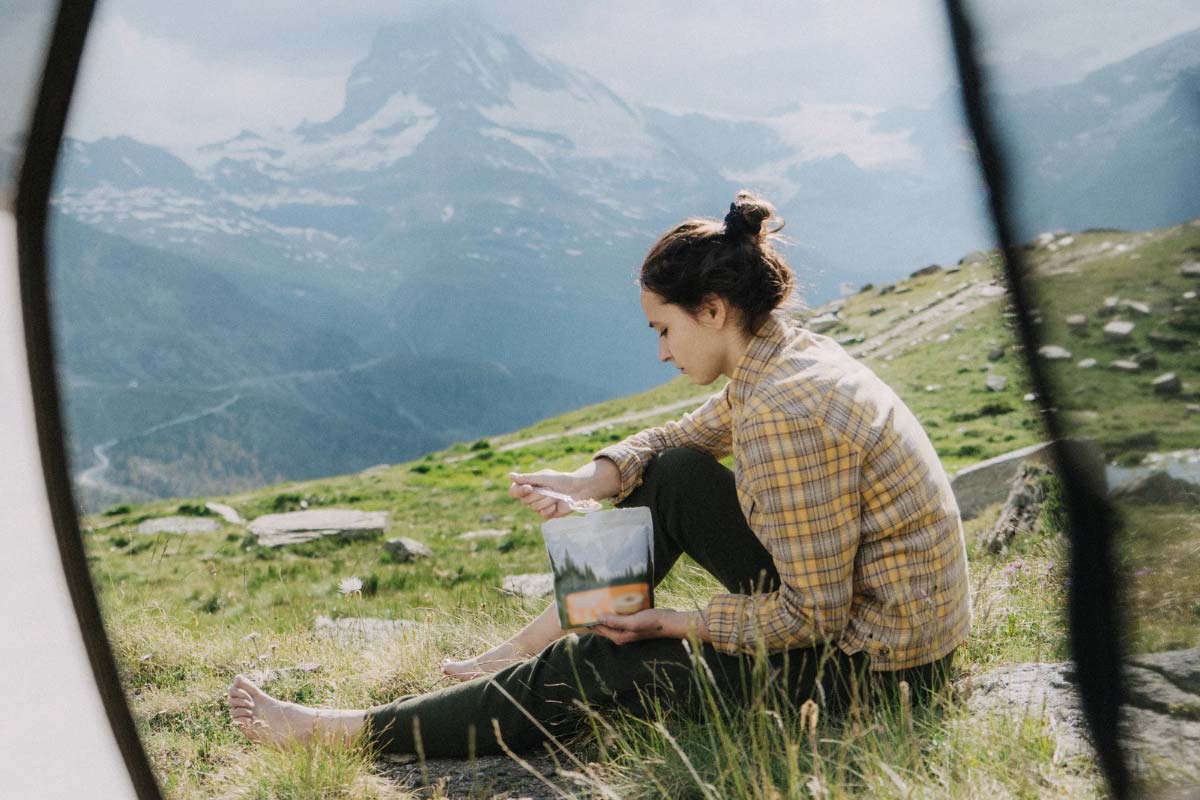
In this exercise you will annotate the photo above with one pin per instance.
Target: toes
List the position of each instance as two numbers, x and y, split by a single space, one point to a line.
244 684
241 702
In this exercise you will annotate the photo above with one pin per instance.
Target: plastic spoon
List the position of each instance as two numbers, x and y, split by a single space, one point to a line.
580 506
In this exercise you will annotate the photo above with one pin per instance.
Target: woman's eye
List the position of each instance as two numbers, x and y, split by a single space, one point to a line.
662 333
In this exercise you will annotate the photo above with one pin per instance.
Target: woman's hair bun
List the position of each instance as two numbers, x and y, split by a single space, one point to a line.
746 216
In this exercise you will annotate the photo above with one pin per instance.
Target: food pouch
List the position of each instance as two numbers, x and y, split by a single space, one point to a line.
603 564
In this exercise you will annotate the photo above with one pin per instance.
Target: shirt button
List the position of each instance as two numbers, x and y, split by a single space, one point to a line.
883 651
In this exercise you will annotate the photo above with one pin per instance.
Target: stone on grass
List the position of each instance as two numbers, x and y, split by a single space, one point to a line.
992 291
403 549
1157 488
1118 330
178 525
1124 365
274 530
227 513
995 354
873 310
1109 308
361 630
1052 352
484 533
1167 384
903 289
930 270
1086 363
997 383
1077 321
1190 270
534 584
1167 342
1147 359
1029 397
1139 308
823 323
1192 408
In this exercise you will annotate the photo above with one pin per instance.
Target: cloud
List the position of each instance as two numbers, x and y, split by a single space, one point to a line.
168 91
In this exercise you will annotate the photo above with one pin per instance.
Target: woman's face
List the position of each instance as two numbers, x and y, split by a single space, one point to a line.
694 345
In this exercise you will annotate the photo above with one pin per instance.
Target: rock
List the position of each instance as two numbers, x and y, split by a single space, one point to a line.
1138 308
980 485
1029 397
1021 508
992 291
404 549
1124 365
274 530
995 354
178 525
1118 330
903 289
485 533
1167 384
1189 295
227 513
853 338
1192 408
1066 241
1109 308
945 337
487 519
534 584
1086 363
1077 321
1157 488
866 287
823 323
1147 359
997 383
933 387
875 310
1167 342
262 676
1190 270
1161 717
930 270
1052 352
950 270
361 630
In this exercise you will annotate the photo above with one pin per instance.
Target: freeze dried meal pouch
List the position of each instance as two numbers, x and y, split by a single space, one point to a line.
603 563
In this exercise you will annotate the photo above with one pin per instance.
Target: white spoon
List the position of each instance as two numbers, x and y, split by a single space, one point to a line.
581 506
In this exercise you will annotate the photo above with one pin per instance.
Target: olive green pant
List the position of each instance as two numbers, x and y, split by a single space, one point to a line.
695 510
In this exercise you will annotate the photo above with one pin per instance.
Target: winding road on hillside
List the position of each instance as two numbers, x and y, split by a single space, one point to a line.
945 311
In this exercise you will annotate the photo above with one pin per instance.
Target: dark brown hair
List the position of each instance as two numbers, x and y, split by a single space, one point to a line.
733 259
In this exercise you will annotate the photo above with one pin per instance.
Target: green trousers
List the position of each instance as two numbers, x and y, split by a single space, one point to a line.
695 510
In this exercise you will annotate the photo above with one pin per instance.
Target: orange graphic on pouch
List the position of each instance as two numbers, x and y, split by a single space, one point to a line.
584 608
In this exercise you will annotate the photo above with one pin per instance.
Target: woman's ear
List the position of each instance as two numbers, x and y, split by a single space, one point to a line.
714 311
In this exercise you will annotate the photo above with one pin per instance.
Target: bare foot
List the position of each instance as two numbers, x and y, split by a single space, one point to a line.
262 718
487 663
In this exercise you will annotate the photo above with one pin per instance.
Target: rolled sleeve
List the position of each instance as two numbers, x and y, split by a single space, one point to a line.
707 429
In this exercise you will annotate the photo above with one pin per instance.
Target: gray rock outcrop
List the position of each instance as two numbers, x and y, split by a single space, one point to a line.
1118 330
404 549
1168 384
178 525
534 584
980 485
1157 488
227 513
1021 508
1053 352
274 530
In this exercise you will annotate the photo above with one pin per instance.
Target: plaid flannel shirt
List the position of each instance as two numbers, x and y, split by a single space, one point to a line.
842 486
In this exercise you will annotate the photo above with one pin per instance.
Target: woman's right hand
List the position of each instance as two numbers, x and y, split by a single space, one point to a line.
595 480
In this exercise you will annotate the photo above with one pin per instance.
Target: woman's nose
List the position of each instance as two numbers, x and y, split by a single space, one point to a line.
664 354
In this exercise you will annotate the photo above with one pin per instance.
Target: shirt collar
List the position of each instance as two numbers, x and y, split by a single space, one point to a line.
753 364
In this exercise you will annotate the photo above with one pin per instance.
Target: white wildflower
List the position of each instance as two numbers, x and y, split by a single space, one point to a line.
351 585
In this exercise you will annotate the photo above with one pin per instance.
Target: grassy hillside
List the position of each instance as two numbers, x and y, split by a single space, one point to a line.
187 612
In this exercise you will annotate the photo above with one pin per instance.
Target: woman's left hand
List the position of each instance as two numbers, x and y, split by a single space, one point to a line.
652 623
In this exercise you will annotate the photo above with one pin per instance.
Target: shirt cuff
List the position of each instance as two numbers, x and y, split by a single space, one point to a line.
628 465
724 616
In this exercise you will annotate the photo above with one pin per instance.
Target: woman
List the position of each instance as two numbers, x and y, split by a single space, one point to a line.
836 535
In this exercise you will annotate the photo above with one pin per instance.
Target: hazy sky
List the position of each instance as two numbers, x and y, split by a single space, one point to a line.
186 73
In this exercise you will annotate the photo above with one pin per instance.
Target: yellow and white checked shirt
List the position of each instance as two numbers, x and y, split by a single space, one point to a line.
842 486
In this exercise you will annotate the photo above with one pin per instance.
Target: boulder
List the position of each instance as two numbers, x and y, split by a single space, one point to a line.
995 354
1140 309
1109 308
227 513
823 323
1124 365
1021 509
404 549
1168 342
996 383
1157 488
274 530
980 485
1086 363
484 533
1118 330
930 270
361 630
903 289
1190 270
1160 719
886 289
1052 352
535 584
178 525
1077 321
1147 359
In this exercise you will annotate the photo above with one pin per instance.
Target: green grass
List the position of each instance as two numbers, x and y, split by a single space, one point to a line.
185 613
